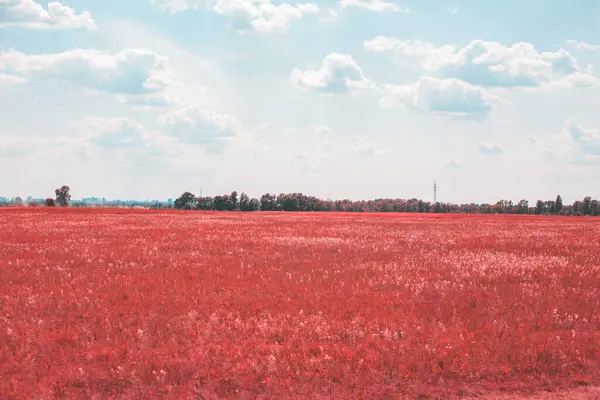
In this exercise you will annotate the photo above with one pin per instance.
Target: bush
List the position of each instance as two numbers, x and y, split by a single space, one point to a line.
49 202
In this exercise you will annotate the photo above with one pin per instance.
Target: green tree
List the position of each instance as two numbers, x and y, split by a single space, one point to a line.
244 202
234 200
587 205
186 201
558 204
63 196
539 207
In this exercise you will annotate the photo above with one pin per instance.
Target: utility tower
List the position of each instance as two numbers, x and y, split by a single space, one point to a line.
200 190
434 192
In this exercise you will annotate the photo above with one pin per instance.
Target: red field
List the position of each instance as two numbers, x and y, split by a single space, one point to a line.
138 304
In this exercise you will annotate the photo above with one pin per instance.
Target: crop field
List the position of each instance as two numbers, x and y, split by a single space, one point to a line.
132 304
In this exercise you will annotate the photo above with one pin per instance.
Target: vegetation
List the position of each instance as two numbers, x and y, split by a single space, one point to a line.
304 203
301 202
112 303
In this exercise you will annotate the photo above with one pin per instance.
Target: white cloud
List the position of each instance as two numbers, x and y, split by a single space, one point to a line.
490 64
260 16
453 10
176 6
197 125
126 143
11 79
581 144
366 149
577 45
489 148
321 130
331 15
116 133
373 5
337 74
131 71
445 97
30 14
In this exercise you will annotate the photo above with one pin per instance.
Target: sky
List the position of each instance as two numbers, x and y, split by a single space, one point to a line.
358 99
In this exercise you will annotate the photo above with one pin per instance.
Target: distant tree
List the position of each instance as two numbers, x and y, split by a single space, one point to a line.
523 207
594 208
267 202
558 204
49 202
204 203
186 201
222 203
254 205
63 196
233 197
586 204
19 201
244 202
539 207
577 207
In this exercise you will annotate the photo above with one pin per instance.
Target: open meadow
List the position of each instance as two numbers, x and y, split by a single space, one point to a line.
115 303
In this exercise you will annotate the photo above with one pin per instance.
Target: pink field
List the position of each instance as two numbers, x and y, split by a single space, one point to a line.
98 303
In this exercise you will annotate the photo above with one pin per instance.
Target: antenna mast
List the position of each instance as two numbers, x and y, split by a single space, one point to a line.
200 190
434 192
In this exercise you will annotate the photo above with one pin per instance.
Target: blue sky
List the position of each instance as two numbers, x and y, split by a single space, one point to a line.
351 99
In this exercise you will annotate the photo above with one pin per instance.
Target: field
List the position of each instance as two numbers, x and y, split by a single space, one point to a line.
98 303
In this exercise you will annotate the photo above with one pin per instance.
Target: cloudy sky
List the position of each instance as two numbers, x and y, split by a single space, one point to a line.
350 99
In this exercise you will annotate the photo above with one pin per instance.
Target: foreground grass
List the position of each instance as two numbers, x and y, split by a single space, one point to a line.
139 304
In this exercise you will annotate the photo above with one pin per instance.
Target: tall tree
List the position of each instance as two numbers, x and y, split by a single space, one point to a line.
539 207
244 202
186 201
558 204
587 203
234 200
63 195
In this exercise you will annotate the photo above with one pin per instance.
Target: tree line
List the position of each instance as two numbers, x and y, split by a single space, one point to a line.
301 202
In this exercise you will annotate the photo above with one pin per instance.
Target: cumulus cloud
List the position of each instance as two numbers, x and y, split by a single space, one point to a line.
116 133
489 148
129 72
260 16
32 15
193 124
128 144
577 45
490 64
372 5
445 97
337 74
